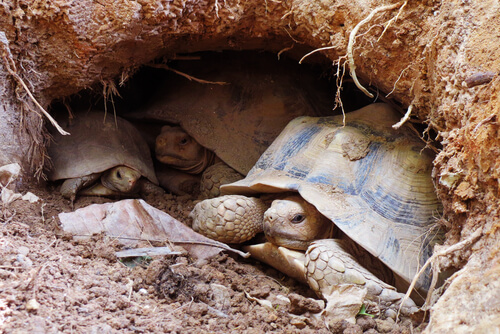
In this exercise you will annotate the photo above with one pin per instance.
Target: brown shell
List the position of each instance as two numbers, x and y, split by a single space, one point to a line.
238 121
372 181
95 144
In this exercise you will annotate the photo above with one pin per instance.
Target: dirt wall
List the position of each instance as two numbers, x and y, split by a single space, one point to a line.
418 53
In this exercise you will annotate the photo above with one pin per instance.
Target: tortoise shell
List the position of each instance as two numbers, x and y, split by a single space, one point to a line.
244 115
97 143
372 181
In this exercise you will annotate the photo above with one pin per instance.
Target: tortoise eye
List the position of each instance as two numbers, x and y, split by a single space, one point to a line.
183 141
298 218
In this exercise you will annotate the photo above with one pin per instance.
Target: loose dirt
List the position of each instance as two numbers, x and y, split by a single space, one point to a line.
52 284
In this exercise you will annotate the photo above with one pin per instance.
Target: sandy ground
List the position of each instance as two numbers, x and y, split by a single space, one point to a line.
51 284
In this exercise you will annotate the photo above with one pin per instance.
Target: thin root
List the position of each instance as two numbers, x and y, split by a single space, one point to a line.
431 261
404 119
394 19
349 55
352 39
187 76
11 68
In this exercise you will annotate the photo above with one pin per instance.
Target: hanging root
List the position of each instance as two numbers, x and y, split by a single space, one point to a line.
11 68
187 76
349 57
432 261
404 119
108 91
352 39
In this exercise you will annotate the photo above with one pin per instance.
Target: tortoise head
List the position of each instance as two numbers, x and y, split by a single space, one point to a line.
294 223
176 148
121 178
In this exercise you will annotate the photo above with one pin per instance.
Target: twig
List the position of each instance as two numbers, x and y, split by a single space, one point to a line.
187 76
11 68
151 251
453 248
216 244
352 39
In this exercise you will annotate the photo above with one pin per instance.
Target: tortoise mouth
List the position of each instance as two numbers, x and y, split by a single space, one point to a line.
289 243
174 160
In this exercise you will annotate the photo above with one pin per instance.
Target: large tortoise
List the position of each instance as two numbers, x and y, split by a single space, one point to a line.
218 122
102 156
372 181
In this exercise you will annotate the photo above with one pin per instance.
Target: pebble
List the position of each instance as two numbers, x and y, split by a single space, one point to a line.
23 250
32 305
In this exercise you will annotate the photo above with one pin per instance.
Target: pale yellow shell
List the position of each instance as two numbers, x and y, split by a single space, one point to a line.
370 180
96 144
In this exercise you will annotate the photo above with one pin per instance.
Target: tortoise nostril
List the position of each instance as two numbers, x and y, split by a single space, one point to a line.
270 216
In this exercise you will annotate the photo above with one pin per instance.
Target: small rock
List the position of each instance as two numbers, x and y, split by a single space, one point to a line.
366 322
298 322
143 291
338 327
23 250
370 331
353 329
300 304
386 325
24 261
221 297
30 197
32 305
272 317
83 310
261 291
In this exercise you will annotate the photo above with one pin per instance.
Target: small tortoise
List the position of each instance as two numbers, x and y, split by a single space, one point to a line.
372 181
103 156
177 149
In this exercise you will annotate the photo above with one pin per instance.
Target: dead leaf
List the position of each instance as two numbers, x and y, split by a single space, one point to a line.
133 220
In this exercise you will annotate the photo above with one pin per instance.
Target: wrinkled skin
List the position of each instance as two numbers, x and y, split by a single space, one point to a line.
121 178
294 223
338 269
176 148
117 180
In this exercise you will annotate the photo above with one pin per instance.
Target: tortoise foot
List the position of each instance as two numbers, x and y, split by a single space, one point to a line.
229 219
214 177
346 285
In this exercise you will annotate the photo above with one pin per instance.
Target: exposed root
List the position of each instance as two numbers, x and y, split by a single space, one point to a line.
352 39
284 50
404 119
432 261
397 80
11 68
108 91
349 57
187 76
394 19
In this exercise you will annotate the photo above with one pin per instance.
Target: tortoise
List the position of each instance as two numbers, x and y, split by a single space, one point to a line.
103 156
216 122
372 181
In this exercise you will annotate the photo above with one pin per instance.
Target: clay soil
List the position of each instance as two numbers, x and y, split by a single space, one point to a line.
52 284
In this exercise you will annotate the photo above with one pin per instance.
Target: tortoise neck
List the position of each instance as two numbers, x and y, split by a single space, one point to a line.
209 158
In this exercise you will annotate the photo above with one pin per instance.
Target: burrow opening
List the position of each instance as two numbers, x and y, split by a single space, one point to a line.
206 87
